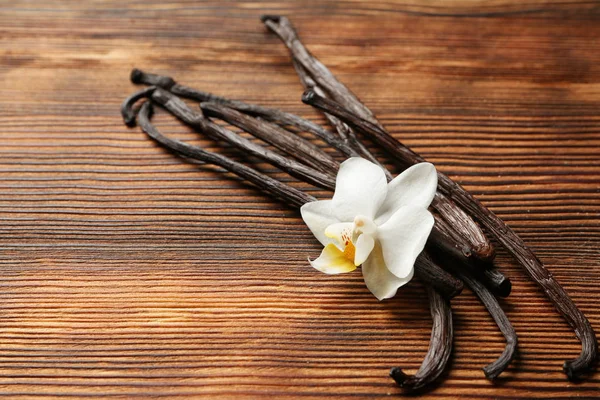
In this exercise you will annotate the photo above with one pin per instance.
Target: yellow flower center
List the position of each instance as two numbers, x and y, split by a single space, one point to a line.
349 250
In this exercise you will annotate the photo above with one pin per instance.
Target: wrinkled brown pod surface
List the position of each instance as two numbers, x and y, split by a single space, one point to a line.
126 271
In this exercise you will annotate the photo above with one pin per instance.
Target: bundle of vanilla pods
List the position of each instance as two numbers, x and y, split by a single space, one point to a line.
457 251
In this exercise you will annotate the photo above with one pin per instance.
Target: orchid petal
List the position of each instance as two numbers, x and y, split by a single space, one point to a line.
360 189
333 261
364 245
379 280
403 237
415 186
318 215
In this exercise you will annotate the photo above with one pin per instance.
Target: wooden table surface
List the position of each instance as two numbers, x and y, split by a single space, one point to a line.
128 272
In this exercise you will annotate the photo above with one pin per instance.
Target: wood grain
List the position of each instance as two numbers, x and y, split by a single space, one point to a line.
127 272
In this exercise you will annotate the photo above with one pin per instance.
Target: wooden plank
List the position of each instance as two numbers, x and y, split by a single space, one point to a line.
128 272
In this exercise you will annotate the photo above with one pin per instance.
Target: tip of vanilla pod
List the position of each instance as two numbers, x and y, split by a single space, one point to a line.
129 120
505 288
270 17
398 375
136 75
405 381
485 252
308 96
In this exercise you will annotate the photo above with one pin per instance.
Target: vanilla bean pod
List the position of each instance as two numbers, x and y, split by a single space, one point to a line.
284 29
286 141
495 368
344 131
194 118
288 194
506 236
269 114
440 346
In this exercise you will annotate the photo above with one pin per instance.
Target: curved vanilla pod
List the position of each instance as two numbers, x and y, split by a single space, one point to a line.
273 115
288 194
495 368
440 346
127 111
506 236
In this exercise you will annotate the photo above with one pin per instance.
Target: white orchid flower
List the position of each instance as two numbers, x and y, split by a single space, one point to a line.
383 226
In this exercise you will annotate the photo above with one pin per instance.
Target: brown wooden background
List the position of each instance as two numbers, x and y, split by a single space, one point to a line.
125 271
